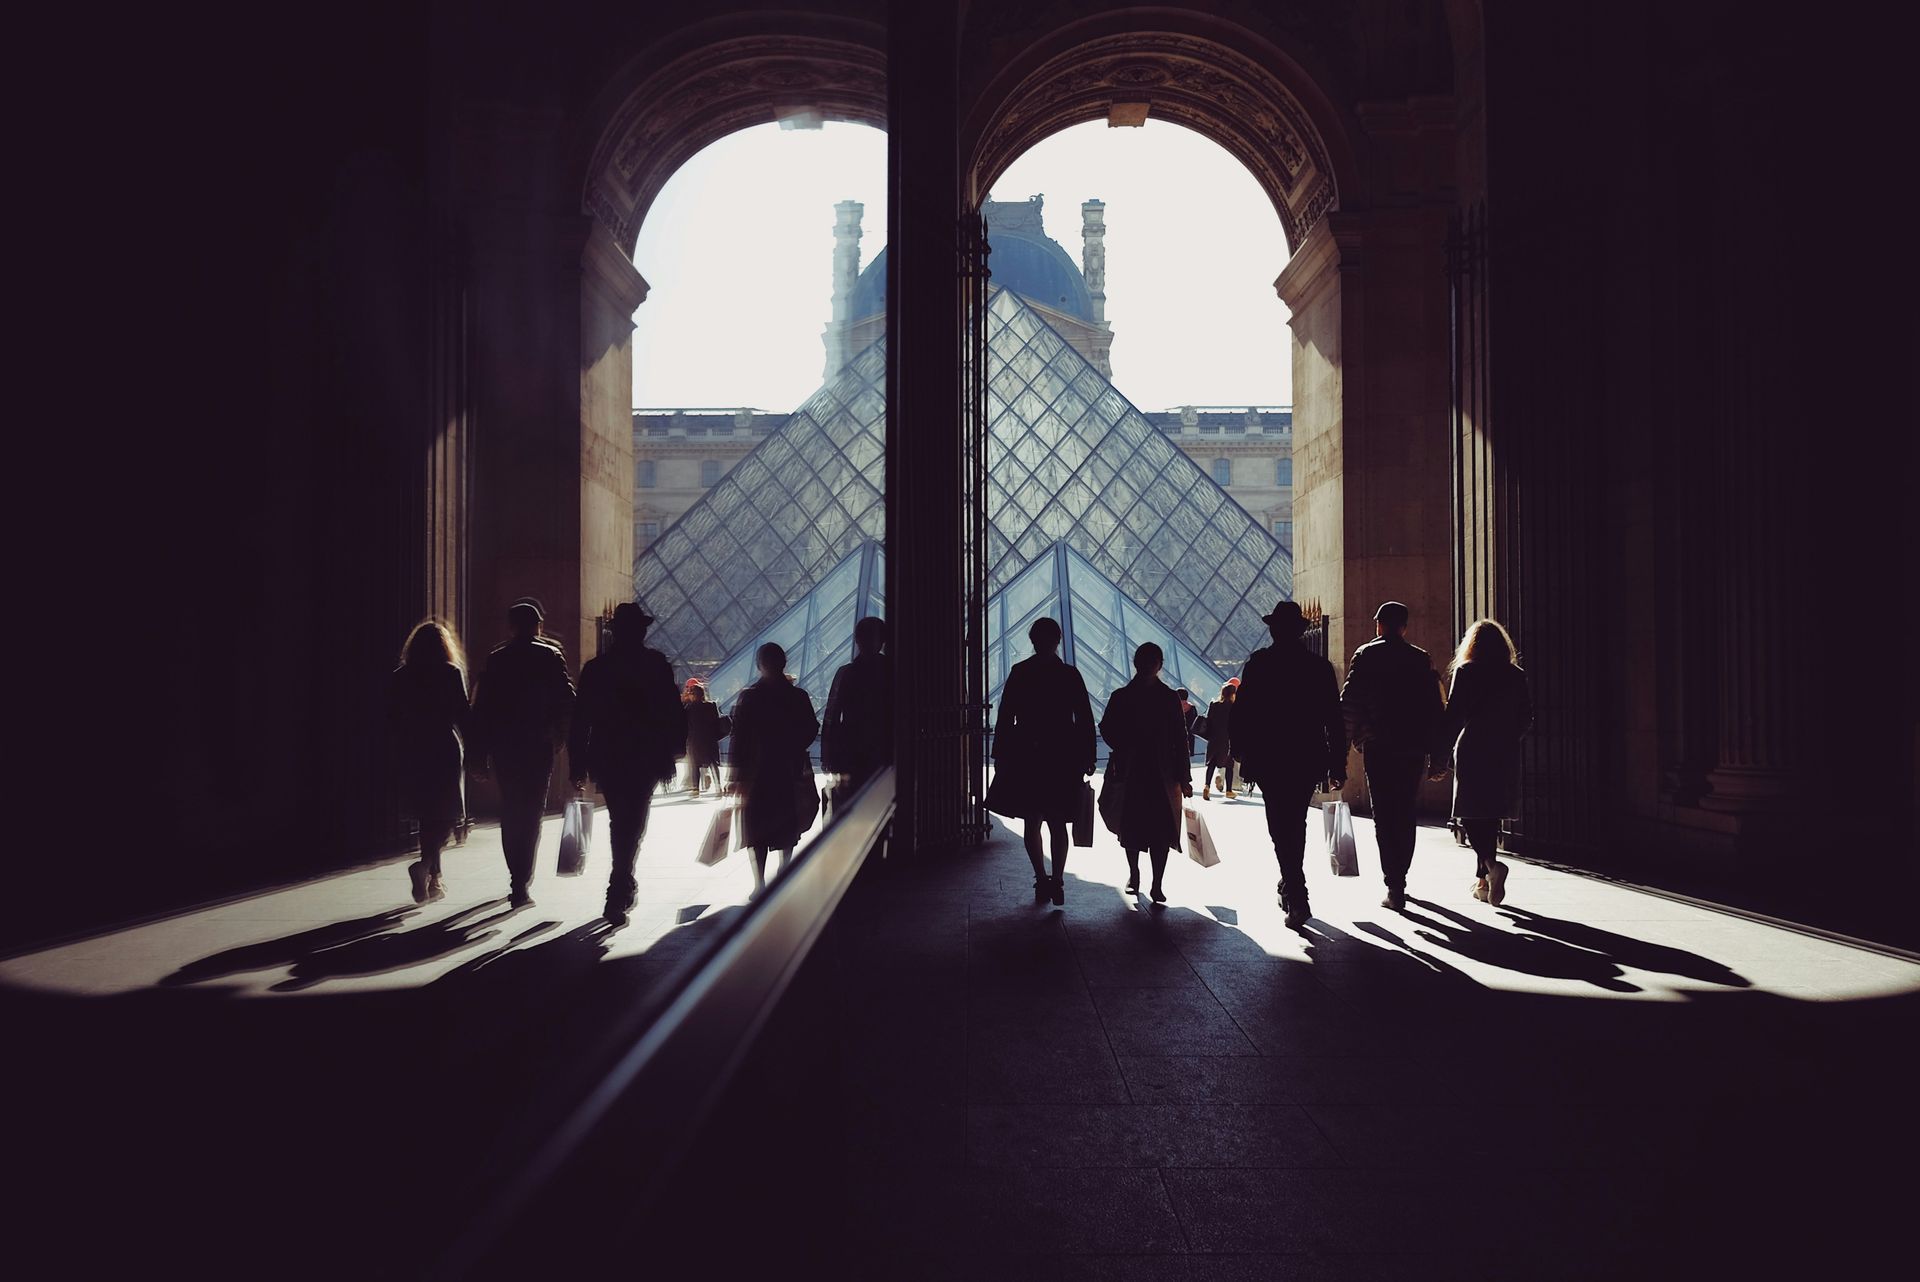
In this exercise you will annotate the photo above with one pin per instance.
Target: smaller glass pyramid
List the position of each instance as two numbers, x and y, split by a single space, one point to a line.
817 632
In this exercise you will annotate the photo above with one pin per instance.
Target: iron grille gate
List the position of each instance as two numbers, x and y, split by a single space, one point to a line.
975 711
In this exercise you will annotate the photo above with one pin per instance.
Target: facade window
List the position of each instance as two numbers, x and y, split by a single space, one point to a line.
1223 471
645 534
1283 532
648 474
1283 472
710 472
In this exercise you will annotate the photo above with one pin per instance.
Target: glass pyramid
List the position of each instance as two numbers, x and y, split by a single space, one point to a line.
816 632
1069 460
1101 624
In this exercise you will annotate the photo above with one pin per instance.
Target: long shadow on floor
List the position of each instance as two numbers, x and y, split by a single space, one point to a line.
1640 954
272 954
1525 954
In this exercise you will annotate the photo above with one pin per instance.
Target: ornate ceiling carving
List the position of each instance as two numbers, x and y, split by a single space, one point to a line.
701 97
1202 84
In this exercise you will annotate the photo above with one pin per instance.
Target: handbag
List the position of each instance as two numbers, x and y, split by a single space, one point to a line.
576 837
1341 851
717 843
1083 820
1113 801
1200 725
1002 797
1200 844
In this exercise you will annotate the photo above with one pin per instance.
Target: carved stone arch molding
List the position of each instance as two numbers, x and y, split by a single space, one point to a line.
1202 83
730 82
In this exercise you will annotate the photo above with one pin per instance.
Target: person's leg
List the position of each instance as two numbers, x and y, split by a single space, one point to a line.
1030 838
1057 833
523 799
1231 774
1484 836
757 857
1159 857
627 811
1287 826
1393 785
1133 872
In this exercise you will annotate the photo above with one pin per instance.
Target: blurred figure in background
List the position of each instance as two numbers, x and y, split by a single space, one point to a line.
1043 750
427 715
1220 741
705 729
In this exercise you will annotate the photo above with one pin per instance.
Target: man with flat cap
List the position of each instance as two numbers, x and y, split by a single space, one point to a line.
627 727
521 709
1393 712
1289 737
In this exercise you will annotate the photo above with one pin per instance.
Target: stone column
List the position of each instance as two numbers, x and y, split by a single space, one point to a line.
1093 266
846 275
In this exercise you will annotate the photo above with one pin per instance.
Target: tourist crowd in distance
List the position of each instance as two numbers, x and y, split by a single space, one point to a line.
626 728
1283 725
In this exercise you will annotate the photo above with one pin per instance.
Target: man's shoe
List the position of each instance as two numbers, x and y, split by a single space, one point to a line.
1396 900
1206 793
1159 895
417 874
436 889
1231 794
519 897
615 917
1497 883
1297 917
1480 889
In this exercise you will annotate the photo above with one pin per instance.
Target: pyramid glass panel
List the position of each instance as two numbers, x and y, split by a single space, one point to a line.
816 631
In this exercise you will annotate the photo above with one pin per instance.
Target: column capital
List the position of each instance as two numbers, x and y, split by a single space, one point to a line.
608 271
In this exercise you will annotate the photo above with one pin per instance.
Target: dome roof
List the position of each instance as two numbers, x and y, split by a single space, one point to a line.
1032 266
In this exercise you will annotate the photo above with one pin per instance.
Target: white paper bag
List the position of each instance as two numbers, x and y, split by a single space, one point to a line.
1200 847
717 844
1341 852
576 837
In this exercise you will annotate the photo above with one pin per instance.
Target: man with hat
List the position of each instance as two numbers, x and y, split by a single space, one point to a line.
1393 711
1289 737
627 728
520 710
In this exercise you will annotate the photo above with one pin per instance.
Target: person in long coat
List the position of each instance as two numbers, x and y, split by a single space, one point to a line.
1043 751
856 729
627 724
773 727
1148 768
1220 742
1488 711
1290 737
427 715
705 730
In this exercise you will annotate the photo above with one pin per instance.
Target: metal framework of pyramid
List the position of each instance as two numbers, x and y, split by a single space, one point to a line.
817 631
1069 460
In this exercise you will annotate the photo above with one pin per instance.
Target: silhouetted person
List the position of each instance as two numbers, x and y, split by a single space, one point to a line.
1043 750
1188 715
521 709
1392 706
1289 735
773 728
705 730
1487 713
1220 742
427 715
1142 726
627 725
857 728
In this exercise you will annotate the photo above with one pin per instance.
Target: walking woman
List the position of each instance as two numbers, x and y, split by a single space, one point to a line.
427 716
704 733
773 726
1220 741
1487 713
1148 768
1043 748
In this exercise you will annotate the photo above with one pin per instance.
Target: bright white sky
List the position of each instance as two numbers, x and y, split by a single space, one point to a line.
738 249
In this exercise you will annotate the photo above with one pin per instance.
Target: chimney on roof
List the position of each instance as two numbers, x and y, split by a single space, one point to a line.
846 275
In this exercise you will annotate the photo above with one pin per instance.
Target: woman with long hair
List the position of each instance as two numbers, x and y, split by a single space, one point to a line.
1148 768
1043 749
1219 742
1488 711
427 715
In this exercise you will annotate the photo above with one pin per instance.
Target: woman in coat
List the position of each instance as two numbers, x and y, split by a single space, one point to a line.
1487 712
1220 741
1043 750
427 714
1148 767
704 733
773 727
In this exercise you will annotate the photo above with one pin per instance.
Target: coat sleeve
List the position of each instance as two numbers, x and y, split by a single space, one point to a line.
560 697
1459 707
1355 697
1083 724
673 730
1008 714
1111 721
746 738
806 724
480 720
1173 737
1435 708
1240 726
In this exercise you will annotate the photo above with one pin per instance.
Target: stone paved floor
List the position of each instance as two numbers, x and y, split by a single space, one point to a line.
1591 1081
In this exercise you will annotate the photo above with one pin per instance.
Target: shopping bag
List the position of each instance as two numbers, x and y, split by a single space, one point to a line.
1200 845
1083 821
1341 852
576 837
718 841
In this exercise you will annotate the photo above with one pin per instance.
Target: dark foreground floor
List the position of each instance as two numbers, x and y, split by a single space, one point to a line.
1591 1082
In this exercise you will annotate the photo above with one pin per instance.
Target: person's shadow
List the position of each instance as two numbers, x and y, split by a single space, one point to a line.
288 949
1628 951
1524 953
397 950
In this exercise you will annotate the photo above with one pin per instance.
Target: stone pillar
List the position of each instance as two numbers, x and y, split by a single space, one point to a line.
846 275
1093 266
611 288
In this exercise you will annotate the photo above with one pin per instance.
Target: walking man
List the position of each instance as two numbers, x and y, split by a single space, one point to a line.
521 710
1392 706
856 731
628 726
1290 738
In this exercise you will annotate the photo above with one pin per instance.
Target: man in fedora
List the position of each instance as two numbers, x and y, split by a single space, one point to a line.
521 709
627 728
1289 737
1393 711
